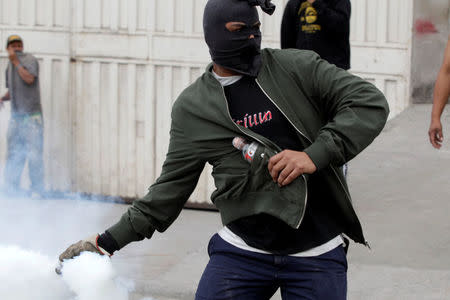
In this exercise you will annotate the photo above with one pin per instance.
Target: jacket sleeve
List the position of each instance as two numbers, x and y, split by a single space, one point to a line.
353 111
166 197
289 25
334 18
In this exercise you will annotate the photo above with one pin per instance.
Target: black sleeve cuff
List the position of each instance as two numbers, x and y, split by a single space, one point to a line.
107 242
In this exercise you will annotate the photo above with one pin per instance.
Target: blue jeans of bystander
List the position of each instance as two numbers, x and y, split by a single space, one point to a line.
25 142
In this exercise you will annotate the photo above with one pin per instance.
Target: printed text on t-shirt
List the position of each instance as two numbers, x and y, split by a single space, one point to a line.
253 120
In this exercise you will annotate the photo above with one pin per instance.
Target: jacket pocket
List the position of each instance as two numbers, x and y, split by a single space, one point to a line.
260 180
234 176
230 175
259 176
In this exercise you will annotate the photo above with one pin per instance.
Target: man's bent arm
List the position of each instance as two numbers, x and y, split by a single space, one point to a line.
353 110
25 75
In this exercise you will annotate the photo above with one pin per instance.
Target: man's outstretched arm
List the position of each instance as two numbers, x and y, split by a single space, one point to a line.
162 204
440 98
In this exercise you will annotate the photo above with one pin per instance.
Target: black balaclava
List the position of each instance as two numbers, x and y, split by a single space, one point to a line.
234 50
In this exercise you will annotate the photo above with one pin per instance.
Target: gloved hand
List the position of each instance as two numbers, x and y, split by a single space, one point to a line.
89 244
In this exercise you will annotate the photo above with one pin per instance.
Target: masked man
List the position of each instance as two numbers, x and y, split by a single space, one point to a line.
285 213
25 132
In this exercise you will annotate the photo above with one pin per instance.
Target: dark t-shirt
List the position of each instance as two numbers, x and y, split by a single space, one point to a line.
250 107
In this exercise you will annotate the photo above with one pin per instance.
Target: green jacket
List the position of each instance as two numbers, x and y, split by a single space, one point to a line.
336 115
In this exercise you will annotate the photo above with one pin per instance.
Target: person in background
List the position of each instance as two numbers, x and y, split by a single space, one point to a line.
322 26
440 98
25 131
285 213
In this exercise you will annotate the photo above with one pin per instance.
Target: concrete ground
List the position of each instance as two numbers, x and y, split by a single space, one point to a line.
400 188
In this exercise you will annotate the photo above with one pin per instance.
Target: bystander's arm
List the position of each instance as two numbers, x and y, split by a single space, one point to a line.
5 97
440 98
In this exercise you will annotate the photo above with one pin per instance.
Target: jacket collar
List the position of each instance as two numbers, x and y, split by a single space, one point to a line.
267 80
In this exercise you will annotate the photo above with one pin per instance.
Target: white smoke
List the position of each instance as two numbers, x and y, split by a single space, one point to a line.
34 232
26 275
92 276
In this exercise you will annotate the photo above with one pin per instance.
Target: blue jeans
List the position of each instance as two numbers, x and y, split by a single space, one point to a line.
25 142
233 273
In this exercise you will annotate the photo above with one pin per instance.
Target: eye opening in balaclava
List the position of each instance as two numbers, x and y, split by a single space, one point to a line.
235 50
239 26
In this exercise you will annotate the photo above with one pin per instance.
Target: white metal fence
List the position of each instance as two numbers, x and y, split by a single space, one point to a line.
111 69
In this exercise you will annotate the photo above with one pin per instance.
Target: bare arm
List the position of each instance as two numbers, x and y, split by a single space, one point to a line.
5 97
440 98
23 73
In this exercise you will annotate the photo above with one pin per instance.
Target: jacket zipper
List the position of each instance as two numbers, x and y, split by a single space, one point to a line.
304 178
262 143
366 242
257 82
304 135
229 115
348 196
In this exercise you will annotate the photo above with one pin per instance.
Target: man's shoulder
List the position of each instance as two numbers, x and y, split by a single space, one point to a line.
193 89
289 52
192 94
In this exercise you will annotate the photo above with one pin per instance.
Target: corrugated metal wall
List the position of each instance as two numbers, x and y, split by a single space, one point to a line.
45 27
381 36
111 69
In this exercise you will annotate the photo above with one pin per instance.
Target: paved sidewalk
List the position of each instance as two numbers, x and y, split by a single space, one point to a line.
400 186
